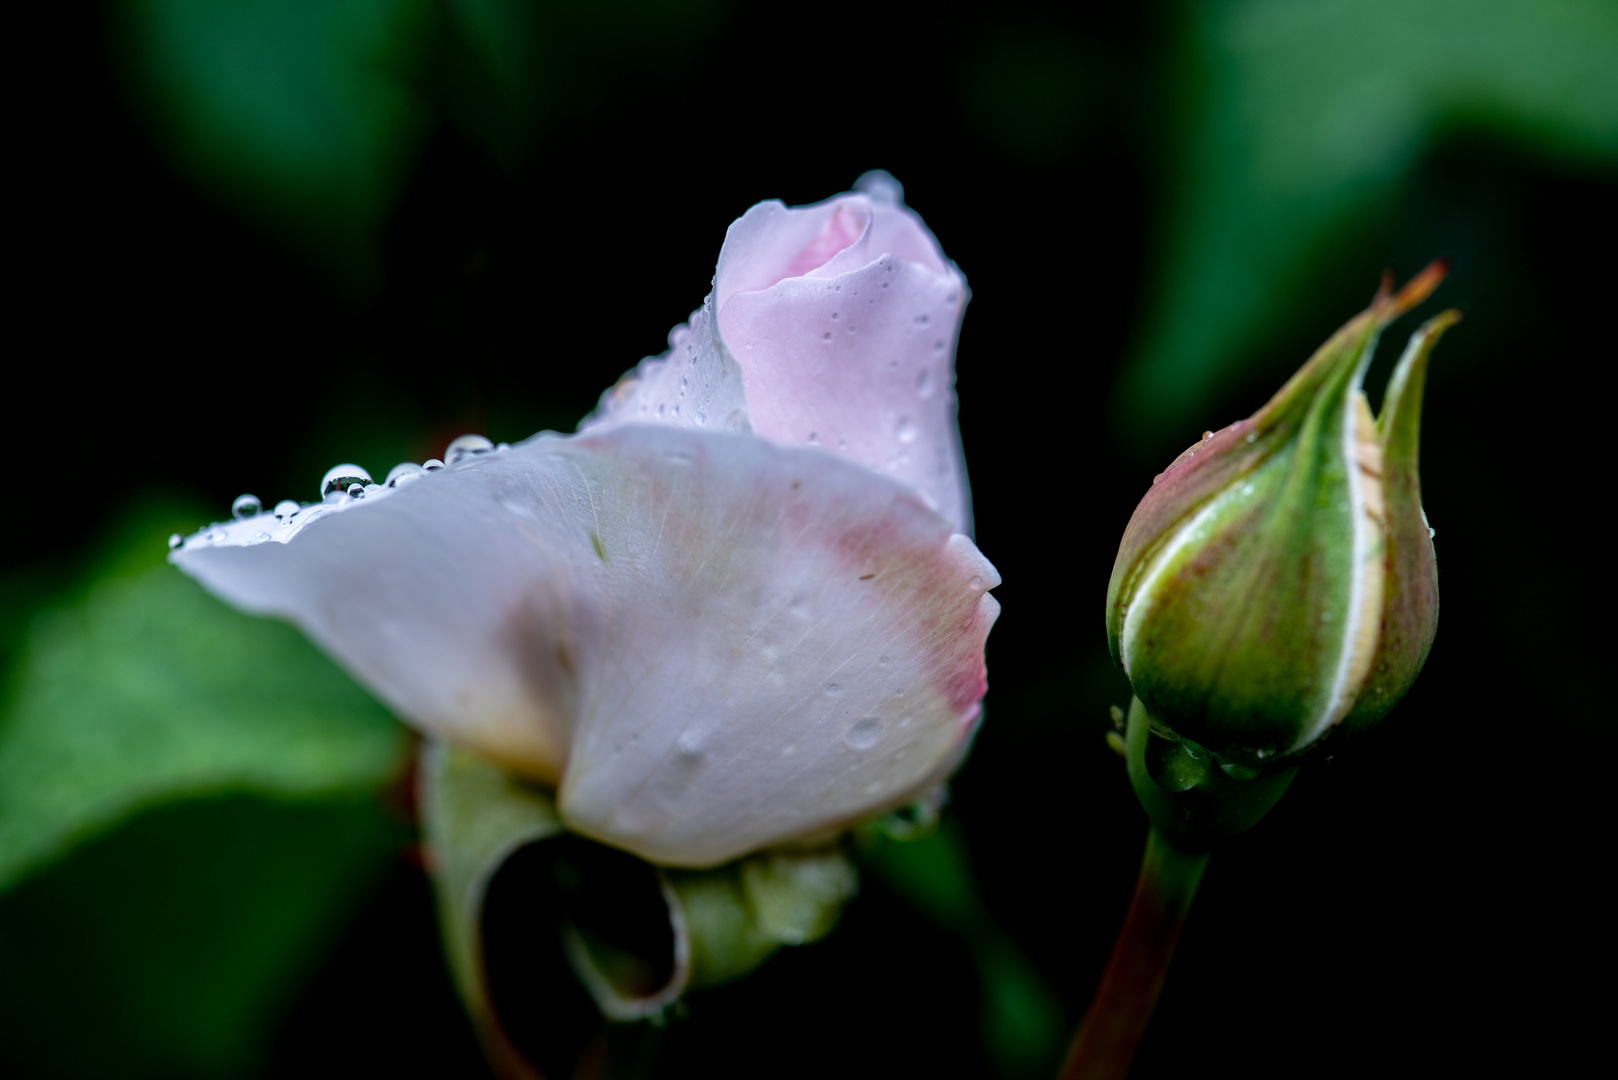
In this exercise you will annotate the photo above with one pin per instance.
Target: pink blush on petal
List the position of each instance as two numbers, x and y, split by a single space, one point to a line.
841 231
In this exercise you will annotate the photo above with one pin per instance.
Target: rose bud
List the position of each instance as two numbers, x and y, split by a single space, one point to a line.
1278 580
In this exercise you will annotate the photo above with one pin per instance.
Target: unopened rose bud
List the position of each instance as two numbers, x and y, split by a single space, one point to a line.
1278 580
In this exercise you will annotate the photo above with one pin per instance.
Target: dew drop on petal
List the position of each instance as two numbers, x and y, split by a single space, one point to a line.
1207 434
905 429
1432 533
465 447
403 473
356 491
246 506
432 464
342 477
974 583
285 509
832 690
864 733
924 384
175 540
260 537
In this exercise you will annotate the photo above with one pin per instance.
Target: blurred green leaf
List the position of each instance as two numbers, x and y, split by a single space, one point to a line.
1022 1023
1297 120
300 114
145 690
171 947
511 68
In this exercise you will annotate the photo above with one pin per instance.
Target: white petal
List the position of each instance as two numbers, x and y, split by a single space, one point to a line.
715 643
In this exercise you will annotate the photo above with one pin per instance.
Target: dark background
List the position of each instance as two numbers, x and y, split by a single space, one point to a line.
1432 898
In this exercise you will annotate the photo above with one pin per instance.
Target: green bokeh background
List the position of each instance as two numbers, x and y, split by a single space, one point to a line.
260 236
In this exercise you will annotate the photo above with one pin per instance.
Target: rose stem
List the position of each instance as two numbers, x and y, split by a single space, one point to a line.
1117 1018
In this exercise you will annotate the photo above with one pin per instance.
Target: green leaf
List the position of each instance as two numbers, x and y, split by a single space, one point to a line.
1020 1016
171 947
300 114
1296 122
146 690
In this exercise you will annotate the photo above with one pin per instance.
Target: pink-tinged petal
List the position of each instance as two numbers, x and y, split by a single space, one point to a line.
836 327
848 341
863 364
714 643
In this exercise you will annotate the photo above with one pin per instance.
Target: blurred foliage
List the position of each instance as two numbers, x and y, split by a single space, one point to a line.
301 114
306 116
171 947
1020 1017
1294 122
145 689
188 810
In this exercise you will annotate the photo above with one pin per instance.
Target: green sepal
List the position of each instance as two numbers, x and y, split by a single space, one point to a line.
1243 571
1410 597
1192 797
712 926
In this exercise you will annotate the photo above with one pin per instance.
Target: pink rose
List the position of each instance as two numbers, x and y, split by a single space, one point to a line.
708 633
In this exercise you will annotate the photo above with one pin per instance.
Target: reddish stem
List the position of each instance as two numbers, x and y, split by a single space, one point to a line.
1117 1018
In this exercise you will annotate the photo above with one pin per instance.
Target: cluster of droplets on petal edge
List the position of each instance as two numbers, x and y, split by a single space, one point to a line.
342 487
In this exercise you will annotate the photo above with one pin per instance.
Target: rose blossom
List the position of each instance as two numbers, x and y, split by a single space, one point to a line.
737 609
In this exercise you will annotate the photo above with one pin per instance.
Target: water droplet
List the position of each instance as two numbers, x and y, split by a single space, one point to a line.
832 690
372 489
246 506
465 447
922 319
689 744
405 472
834 315
863 734
501 447
432 464
218 536
814 438
682 386
1432 533
175 540
826 336
1207 434
905 430
356 491
924 384
882 662
974 583
342 477
285 509
1252 436
1247 489
261 537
